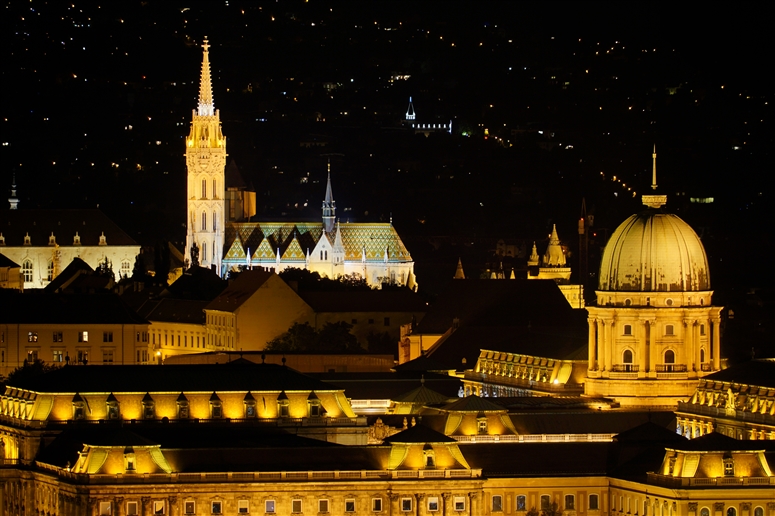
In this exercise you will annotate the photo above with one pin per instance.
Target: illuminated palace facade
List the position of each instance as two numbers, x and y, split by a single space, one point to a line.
245 438
218 235
654 331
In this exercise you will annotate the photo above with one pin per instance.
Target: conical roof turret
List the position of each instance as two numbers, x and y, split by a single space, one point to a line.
554 256
459 274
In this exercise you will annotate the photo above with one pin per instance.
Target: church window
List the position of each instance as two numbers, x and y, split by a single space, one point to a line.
204 250
215 190
215 223
204 188
27 270
628 329
669 329
204 222
497 503
50 270
594 502
702 356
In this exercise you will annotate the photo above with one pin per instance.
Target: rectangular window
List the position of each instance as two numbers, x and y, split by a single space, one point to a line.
32 355
83 336
406 504
669 329
594 503
189 507
105 509
702 329
57 336
269 506
460 503
521 503
349 506
497 503
32 336
376 504
628 329
546 502
58 355
433 503
296 506
216 507
107 356
387 321
570 503
322 505
158 507
131 509
107 336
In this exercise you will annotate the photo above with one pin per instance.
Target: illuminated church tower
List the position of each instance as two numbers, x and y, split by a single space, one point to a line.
653 332
206 163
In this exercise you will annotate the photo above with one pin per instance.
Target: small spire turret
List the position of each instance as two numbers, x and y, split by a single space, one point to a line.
410 114
206 105
329 205
13 200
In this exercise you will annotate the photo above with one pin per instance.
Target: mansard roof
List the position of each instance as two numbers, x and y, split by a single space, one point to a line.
45 308
373 238
40 224
240 376
240 290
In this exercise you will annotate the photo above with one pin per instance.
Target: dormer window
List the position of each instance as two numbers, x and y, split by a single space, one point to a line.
27 239
315 409
216 407
130 461
77 239
52 240
103 240
729 466
283 405
149 407
481 423
429 456
112 407
79 407
182 406
250 405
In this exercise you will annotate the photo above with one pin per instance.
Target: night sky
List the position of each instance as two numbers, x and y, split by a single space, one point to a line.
98 98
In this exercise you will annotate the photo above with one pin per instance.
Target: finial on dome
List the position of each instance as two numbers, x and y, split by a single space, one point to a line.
654 201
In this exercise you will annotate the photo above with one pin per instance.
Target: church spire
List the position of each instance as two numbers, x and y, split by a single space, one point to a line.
329 205
654 169
459 274
206 105
554 256
13 200
410 115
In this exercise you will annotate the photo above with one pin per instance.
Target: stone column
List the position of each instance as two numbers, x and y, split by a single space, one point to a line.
145 503
697 346
471 500
716 345
419 498
118 506
642 349
592 343
392 502
609 359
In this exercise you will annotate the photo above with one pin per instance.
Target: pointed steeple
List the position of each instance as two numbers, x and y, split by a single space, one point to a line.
459 274
554 256
329 205
410 115
206 105
654 201
533 260
14 202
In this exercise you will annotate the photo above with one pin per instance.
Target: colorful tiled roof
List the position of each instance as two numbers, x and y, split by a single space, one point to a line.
373 239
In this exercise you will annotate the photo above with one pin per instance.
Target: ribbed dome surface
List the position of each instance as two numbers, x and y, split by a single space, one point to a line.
654 252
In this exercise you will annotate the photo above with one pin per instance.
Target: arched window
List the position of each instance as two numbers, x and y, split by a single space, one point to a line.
705 511
27 270
215 223
204 251
204 189
627 356
50 270
731 511
759 511
594 502
670 356
702 356
204 221
125 269
215 190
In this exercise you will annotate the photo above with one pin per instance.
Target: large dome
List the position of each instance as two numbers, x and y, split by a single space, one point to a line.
654 252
